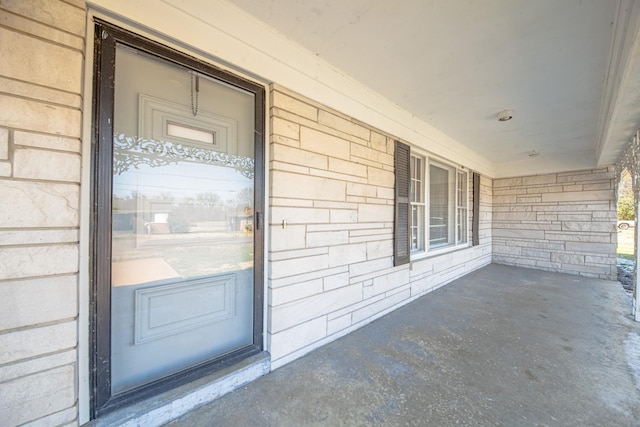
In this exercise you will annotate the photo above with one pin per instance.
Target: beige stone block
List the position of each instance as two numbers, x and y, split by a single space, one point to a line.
296 216
335 281
38 61
295 106
29 398
519 234
334 205
347 167
574 217
375 213
504 199
378 142
5 169
388 282
296 266
36 237
32 115
4 143
376 308
597 259
29 302
40 93
282 140
39 364
584 177
515 216
531 253
303 277
34 261
291 237
362 270
29 139
288 167
343 216
591 226
385 193
379 249
319 142
297 253
594 248
364 190
337 176
507 182
296 156
347 254
39 204
46 165
298 337
37 29
327 238
331 120
539 179
381 177
367 153
508 191
56 14
66 418
298 312
307 187
28 343
338 324
528 199
285 128
571 236
545 189
296 291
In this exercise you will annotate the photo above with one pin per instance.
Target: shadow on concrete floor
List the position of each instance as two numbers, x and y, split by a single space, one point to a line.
503 346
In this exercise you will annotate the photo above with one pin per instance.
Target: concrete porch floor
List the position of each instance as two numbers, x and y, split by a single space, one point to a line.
502 346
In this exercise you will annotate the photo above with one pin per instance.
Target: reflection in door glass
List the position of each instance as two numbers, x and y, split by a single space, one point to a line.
182 220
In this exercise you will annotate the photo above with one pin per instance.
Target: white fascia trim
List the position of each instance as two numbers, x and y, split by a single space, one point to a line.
220 29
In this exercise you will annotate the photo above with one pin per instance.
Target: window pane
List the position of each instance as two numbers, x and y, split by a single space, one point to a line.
439 206
417 204
461 203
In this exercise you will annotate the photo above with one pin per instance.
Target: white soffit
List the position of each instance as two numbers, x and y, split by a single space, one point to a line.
456 63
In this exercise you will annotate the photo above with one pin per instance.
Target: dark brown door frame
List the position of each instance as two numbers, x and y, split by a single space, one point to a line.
107 37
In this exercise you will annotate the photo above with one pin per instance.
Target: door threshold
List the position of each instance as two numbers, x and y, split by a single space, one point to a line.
165 407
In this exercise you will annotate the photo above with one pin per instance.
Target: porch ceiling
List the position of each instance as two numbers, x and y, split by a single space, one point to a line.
568 69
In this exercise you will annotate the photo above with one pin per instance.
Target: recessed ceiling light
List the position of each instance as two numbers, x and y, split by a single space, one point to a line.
505 115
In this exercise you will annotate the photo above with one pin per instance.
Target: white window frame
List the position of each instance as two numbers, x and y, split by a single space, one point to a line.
458 206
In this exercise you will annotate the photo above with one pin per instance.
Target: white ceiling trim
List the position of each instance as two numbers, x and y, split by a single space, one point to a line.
225 32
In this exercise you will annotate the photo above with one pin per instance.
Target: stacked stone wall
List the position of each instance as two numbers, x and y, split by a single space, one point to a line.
42 46
331 212
562 222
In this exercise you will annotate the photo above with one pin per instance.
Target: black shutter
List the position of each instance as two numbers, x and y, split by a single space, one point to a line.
401 252
476 209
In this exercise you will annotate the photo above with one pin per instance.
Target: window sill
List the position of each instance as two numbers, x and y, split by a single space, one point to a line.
419 256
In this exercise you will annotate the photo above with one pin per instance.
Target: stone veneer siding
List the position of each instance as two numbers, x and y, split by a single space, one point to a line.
42 45
563 222
331 269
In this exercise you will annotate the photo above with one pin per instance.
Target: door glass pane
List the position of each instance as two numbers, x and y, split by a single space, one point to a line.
182 220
